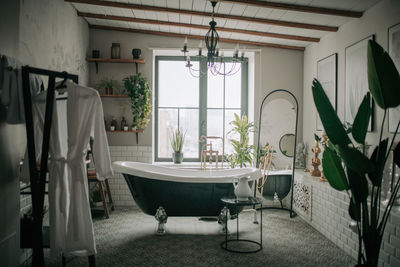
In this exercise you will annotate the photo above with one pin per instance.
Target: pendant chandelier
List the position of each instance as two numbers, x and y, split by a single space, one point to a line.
215 59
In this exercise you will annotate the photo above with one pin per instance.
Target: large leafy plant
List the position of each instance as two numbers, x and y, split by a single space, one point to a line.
348 169
139 91
243 151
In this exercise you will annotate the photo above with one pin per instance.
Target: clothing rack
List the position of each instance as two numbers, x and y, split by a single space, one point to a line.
38 177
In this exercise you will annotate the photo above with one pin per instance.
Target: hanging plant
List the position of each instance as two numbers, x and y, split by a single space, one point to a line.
139 91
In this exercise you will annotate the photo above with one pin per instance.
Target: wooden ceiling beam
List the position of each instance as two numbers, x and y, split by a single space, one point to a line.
207 14
198 37
298 8
201 27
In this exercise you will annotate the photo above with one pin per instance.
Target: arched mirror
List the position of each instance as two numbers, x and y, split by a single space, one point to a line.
276 146
286 145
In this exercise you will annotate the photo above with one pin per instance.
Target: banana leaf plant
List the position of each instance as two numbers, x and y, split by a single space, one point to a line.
348 169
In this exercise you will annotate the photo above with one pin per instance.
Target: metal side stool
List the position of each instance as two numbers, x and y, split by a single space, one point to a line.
232 201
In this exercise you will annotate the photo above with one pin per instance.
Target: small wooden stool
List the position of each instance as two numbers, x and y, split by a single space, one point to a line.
92 177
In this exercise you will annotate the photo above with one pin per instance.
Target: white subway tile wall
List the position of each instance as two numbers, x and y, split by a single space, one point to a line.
119 189
330 216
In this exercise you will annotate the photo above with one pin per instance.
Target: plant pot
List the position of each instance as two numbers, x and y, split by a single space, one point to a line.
177 157
136 52
95 53
109 91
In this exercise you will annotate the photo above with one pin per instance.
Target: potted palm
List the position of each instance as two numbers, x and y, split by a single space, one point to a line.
244 152
177 139
348 169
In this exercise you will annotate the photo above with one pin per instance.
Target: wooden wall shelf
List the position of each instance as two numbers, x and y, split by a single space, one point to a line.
115 96
114 60
129 131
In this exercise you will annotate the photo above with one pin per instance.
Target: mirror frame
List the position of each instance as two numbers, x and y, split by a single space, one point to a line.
280 147
292 213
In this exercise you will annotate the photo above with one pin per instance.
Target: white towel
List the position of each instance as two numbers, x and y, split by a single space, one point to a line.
11 93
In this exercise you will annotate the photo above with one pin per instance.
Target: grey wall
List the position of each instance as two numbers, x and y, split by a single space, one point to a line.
376 21
10 147
45 34
274 68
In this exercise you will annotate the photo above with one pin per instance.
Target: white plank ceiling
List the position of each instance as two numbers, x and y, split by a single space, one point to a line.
226 8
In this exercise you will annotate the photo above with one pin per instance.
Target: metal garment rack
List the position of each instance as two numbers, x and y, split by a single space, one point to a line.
38 177
292 213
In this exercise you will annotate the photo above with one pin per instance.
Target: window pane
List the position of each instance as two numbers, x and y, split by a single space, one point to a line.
189 122
233 85
229 116
215 127
215 91
176 87
167 120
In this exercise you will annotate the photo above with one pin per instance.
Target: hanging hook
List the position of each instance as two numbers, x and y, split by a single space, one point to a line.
62 84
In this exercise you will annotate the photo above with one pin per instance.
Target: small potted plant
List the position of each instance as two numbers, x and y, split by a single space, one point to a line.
108 86
177 139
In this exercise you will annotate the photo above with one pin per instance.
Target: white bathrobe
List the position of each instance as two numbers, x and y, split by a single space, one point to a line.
74 121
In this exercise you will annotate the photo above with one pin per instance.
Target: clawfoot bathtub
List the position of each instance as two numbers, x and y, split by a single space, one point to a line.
167 191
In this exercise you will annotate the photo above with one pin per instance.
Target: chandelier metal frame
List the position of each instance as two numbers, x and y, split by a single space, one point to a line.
215 59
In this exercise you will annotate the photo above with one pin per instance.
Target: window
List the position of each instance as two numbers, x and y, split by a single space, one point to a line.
201 106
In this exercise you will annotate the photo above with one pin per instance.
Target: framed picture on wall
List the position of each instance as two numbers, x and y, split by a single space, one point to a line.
327 76
357 79
394 52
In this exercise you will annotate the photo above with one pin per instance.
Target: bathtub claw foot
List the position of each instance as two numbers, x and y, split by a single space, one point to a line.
161 217
223 220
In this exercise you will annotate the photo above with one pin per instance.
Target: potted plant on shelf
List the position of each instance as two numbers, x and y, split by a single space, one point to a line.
139 91
177 139
244 153
108 86
348 169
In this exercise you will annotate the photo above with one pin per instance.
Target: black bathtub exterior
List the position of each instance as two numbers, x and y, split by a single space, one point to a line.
179 198
281 184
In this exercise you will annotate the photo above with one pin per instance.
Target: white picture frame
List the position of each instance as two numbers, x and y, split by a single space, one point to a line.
357 79
394 52
327 76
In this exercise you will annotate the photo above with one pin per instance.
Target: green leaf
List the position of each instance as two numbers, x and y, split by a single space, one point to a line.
361 121
379 162
332 125
317 138
355 211
333 170
358 186
383 77
355 160
396 155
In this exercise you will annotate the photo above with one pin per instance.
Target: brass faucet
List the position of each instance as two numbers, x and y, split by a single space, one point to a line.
210 151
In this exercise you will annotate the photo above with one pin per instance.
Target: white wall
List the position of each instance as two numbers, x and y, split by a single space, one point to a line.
376 21
45 34
274 68
329 211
